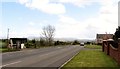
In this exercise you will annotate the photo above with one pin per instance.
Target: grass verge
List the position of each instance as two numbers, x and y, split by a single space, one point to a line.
7 50
3 49
91 58
93 46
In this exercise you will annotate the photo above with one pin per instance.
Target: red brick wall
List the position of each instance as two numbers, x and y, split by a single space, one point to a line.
111 51
105 48
119 52
119 58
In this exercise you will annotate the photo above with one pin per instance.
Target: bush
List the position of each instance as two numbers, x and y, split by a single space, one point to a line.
61 43
75 42
3 44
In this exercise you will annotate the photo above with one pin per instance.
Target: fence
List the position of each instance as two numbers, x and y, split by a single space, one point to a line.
111 50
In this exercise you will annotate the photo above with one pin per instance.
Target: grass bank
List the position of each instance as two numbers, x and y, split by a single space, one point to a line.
92 57
93 46
3 49
7 50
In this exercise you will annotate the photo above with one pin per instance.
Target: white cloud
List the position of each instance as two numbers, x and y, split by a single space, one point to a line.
32 31
23 1
79 3
68 27
106 21
31 23
17 34
67 19
28 31
108 13
1 31
45 6
83 3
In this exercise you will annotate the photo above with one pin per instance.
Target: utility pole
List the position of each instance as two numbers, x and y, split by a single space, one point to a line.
8 37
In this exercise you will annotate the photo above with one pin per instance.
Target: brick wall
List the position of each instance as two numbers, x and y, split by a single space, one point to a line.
119 51
105 46
111 51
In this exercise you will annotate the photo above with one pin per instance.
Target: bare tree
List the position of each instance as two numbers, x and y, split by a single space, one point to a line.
48 33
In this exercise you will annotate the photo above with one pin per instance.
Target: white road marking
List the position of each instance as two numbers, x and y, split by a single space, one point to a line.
59 47
10 63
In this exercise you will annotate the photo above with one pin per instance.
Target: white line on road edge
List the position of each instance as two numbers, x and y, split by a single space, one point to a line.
10 63
68 60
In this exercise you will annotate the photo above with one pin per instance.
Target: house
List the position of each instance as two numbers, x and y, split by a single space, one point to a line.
18 43
101 37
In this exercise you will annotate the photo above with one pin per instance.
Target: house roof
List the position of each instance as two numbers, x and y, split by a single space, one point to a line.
14 40
104 36
18 38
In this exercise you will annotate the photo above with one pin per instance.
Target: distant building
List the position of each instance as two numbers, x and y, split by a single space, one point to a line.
101 37
17 42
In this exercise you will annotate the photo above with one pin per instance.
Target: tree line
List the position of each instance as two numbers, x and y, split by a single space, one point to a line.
47 39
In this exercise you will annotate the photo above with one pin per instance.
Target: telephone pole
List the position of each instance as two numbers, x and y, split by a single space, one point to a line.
8 37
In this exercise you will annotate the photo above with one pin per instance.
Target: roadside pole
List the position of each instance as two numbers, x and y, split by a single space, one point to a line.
8 38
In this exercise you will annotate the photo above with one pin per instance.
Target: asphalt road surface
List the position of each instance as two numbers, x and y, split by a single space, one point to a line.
52 57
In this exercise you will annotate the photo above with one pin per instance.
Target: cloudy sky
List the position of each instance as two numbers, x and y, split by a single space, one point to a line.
81 19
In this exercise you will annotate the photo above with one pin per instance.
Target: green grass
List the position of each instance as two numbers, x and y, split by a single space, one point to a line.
8 50
91 58
2 44
3 49
93 46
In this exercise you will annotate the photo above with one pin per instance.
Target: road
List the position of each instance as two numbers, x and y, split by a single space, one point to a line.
52 57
